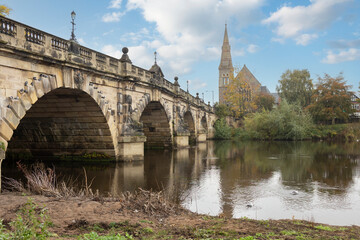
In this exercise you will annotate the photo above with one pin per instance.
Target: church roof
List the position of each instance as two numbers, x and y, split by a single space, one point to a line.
226 61
250 78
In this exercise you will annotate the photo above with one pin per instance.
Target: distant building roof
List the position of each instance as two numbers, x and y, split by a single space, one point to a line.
264 89
250 78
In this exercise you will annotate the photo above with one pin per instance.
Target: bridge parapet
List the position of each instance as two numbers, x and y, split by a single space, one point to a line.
28 39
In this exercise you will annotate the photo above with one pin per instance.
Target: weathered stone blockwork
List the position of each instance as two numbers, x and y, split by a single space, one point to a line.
58 97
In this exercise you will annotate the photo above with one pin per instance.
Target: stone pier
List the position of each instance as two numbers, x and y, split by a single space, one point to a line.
2 157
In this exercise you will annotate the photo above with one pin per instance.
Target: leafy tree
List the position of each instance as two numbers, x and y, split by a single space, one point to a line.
222 129
239 95
264 101
331 99
296 87
4 10
222 110
287 122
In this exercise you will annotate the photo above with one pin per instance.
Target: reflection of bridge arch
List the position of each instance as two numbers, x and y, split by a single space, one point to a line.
63 121
156 125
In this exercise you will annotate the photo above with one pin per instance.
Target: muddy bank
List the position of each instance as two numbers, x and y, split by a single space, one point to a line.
138 219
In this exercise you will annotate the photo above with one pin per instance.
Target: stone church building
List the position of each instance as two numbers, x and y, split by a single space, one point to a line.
226 70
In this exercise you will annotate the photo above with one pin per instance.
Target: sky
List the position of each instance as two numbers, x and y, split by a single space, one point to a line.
269 36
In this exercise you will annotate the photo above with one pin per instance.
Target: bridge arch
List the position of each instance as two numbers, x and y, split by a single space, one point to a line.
156 125
46 120
190 123
203 123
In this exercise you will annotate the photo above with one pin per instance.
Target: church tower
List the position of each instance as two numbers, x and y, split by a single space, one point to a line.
226 68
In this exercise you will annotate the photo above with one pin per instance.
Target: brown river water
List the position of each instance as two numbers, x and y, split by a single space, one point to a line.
315 181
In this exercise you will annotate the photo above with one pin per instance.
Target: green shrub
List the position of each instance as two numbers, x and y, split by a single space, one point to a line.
287 122
2 146
31 222
347 132
222 130
3 233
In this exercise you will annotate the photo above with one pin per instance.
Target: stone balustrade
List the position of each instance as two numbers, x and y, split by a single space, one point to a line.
28 39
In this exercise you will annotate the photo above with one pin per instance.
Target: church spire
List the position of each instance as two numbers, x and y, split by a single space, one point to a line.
226 61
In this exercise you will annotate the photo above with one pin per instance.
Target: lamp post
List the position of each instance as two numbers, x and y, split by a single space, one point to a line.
212 91
73 15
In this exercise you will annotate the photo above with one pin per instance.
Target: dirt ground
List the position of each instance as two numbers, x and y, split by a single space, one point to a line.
74 217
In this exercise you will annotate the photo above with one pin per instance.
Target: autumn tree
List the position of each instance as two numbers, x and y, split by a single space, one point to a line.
239 95
4 10
296 87
264 101
331 100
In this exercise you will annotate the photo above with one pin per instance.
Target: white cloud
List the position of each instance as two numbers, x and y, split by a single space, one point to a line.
252 48
112 17
351 54
304 39
81 41
279 40
135 37
196 84
112 51
345 43
189 34
115 4
140 55
239 52
299 21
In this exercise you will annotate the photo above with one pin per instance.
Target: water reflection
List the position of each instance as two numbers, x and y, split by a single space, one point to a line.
308 180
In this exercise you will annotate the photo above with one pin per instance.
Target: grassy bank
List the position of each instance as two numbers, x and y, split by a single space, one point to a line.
342 132
347 132
42 217
286 122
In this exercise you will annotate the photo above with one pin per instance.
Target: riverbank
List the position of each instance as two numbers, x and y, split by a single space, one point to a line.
140 217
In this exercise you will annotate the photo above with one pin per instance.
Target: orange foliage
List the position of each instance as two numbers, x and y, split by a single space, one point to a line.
239 95
331 100
4 10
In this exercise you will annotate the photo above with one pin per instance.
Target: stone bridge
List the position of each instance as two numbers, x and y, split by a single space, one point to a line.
58 98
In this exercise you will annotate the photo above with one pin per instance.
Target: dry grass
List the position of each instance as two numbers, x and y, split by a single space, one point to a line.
156 204
43 181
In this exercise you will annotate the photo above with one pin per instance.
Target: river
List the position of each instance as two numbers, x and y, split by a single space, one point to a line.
315 181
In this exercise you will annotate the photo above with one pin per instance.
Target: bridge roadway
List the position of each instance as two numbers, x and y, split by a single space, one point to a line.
58 98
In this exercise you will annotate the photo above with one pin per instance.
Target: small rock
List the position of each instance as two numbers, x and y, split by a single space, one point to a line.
294 192
249 205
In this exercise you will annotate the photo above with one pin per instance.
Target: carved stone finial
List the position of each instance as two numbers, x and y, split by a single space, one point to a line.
197 95
176 83
125 57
